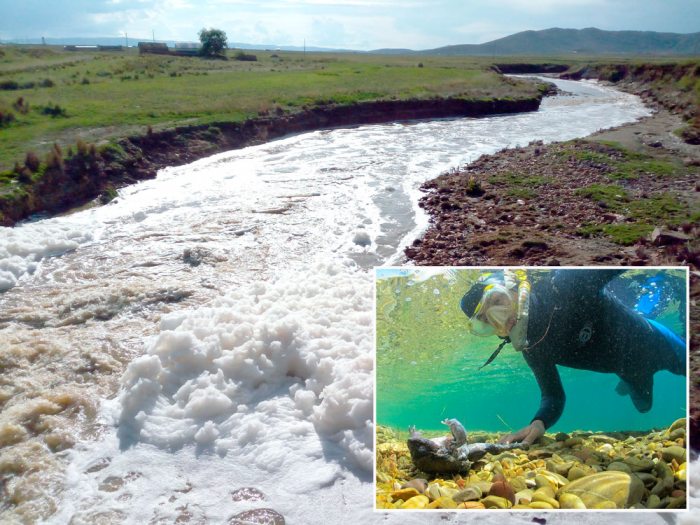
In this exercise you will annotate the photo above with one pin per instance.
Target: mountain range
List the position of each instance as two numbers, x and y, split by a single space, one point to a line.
589 41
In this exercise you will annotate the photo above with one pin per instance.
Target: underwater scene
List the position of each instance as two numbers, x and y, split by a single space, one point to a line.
594 360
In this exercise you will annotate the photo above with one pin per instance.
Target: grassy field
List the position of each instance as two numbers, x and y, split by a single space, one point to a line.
50 95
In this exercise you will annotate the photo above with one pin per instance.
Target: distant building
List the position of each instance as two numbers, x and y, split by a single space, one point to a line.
93 48
156 48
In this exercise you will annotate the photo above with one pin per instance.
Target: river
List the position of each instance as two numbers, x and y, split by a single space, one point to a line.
212 329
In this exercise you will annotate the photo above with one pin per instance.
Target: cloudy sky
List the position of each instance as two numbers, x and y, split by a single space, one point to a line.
351 24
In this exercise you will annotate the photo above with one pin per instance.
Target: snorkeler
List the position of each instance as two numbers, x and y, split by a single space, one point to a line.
568 318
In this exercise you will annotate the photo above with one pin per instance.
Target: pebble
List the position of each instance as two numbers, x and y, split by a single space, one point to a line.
258 517
572 471
496 502
404 494
571 501
604 488
417 502
419 484
470 493
673 452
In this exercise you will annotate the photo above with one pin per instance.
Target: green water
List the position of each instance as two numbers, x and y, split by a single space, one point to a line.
427 364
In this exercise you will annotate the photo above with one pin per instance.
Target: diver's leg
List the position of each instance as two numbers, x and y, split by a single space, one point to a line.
641 388
675 348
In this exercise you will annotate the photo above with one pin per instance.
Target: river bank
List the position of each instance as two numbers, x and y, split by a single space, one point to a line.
91 172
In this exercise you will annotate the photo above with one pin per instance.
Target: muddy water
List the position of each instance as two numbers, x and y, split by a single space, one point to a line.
211 329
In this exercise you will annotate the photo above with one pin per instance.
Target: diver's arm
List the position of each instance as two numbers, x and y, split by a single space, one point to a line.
552 392
527 435
551 404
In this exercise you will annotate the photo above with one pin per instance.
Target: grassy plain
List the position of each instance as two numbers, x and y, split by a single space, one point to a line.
98 96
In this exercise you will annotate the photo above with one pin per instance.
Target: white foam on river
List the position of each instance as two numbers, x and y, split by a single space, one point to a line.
239 285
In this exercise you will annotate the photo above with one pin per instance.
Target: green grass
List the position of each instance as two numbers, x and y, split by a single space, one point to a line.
642 214
625 234
109 95
612 195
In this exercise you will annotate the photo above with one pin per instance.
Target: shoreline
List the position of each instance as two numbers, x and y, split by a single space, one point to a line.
91 173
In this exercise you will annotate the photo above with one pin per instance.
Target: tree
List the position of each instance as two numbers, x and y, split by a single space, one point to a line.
213 42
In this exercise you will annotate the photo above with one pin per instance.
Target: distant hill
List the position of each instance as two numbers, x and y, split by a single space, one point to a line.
589 41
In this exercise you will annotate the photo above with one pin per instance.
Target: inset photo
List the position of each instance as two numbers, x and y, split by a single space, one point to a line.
533 388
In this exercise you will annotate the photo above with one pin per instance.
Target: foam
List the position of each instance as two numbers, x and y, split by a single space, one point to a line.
245 370
23 247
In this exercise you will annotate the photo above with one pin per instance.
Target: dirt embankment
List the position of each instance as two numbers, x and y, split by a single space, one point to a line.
76 180
675 87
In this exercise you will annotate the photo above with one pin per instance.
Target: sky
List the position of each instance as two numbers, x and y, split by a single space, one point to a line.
340 24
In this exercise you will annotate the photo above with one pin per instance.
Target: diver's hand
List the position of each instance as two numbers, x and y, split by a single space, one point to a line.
527 435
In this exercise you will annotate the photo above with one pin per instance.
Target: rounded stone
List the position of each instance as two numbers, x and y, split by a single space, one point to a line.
404 494
443 503
620 466
654 502
639 464
678 423
503 489
470 493
524 496
540 505
679 433
247 494
257 517
471 505
539 495
612 487
673 452
416 502
571 501
572 442
496 502
418 483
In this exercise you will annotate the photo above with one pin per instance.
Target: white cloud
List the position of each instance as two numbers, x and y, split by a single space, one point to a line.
540 6
479 32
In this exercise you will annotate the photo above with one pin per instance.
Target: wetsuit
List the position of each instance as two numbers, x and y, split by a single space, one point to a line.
575 322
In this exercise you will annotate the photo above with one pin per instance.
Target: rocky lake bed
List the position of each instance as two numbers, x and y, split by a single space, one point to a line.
577 470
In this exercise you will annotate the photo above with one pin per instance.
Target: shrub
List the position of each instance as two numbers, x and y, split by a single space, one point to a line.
245 57
21 105
85 81
82 147
54 111
6 118
24 176
54 158
32 162
9 85
47 82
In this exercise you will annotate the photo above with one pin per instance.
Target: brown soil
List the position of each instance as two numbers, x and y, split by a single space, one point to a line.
521 207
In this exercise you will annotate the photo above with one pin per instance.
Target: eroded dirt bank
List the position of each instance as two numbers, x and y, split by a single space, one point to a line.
88 173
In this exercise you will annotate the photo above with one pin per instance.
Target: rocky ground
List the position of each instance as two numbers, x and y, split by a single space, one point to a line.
582 470
626 196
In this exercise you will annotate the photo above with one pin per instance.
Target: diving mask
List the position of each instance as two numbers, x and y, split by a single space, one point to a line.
495 313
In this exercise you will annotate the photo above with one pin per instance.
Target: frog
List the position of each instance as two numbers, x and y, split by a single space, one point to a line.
450 454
